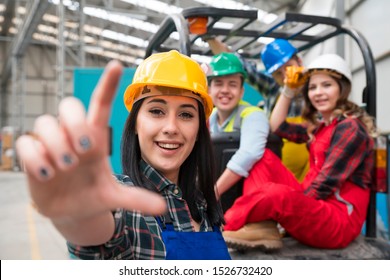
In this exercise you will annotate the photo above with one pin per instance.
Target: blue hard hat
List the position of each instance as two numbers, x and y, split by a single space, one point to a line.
277 53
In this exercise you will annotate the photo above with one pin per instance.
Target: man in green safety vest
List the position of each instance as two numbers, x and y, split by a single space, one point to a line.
231 113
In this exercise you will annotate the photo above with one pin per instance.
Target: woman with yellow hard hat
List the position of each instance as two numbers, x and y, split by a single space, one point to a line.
166 149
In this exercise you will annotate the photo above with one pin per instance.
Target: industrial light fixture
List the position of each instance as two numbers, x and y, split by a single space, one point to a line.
125 19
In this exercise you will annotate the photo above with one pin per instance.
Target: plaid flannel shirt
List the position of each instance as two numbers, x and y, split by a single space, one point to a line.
138 236
350 156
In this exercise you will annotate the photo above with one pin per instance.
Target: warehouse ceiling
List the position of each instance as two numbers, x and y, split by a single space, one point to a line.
119 29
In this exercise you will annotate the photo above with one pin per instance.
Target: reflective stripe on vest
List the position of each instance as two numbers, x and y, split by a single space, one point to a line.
244 109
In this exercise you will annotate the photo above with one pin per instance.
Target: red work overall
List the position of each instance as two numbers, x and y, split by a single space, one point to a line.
272 192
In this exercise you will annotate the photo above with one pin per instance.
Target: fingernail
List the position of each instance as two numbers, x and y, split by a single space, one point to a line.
85 143
67 159
44 173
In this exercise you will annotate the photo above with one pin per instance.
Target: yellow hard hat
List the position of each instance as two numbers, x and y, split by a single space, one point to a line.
169 69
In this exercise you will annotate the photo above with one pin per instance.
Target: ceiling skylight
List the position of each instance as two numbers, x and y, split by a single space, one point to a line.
121 19
154 5
262 16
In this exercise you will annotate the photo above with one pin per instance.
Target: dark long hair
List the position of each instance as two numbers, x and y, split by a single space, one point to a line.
197 173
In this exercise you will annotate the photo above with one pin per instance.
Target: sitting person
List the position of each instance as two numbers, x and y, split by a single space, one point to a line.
328 209
275 56
231 113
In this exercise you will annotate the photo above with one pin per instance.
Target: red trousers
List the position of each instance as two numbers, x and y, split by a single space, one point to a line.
272 192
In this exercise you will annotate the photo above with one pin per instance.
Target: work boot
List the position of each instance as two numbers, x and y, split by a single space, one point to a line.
262 235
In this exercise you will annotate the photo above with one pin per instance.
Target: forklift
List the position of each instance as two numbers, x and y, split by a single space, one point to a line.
183 31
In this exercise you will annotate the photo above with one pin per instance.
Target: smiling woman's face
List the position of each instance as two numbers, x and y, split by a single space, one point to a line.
167 129
324 91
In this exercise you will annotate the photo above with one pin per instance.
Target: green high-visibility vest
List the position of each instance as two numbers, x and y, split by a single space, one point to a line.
244 109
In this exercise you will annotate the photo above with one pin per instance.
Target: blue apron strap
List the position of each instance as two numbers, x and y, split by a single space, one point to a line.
165 223
216 229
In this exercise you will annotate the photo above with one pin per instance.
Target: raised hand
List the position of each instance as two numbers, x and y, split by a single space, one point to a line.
66 161
296 76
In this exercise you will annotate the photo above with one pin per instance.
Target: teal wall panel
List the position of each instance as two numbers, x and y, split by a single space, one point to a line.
251 95
85 80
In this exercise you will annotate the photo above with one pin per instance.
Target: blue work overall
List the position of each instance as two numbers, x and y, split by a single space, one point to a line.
208 245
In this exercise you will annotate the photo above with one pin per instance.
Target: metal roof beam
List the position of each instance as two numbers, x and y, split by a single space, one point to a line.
23 38
8 16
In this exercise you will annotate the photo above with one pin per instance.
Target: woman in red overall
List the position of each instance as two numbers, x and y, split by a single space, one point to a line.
328 209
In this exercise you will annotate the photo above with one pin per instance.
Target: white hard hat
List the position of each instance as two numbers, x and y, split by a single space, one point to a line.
331 62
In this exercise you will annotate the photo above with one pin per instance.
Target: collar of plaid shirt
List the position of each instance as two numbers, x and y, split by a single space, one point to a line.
138 236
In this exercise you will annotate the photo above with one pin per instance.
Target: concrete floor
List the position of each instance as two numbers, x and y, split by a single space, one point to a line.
25 234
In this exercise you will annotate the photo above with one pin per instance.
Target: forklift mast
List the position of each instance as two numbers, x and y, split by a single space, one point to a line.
244 35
